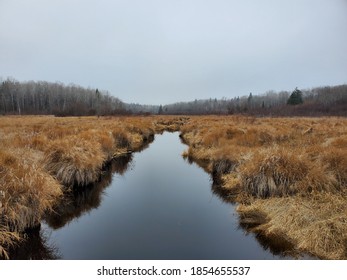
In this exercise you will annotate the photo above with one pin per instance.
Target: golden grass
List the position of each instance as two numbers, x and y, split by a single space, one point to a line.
289 175
77 164
27 192
315 224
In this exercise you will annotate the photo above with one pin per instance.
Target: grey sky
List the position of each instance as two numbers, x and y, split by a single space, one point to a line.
163 51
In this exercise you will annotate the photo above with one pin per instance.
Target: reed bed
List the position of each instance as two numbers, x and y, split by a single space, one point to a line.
288 175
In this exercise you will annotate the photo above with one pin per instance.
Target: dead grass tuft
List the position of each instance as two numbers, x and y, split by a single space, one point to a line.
27 192
315 224
78 164
274 174
121 139
278 172
336 160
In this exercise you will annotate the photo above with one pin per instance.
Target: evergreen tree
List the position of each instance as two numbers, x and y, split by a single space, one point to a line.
160 111
250 97
295 98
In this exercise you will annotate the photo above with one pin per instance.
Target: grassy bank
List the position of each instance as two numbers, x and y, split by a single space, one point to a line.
288 175
42 156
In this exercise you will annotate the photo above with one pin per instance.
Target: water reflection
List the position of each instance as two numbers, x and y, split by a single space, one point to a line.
78 201
216 186
276 244
81 200
74 203
35 246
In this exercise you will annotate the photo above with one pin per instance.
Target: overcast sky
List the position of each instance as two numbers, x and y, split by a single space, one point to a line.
163 51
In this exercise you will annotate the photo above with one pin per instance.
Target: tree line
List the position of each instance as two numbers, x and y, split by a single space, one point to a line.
73 100
329 100
55 99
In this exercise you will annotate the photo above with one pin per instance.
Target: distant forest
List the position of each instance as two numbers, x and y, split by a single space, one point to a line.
39 98
330 101
43 98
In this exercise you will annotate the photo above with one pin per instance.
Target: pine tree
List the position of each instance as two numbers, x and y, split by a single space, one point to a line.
160 111
295 98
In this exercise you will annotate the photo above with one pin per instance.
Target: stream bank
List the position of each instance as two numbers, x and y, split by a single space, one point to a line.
42 157
288 177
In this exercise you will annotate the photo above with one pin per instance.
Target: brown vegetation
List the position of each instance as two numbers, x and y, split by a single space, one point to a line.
288 175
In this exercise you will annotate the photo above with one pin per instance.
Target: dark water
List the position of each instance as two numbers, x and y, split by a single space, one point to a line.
153 205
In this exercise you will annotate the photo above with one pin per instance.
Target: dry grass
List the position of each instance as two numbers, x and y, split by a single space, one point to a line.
27 192
288 175
7 239
279 172
291 171
77 164
315 224
42 156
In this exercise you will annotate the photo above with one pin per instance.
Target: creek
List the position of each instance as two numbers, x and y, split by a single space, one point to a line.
150 205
